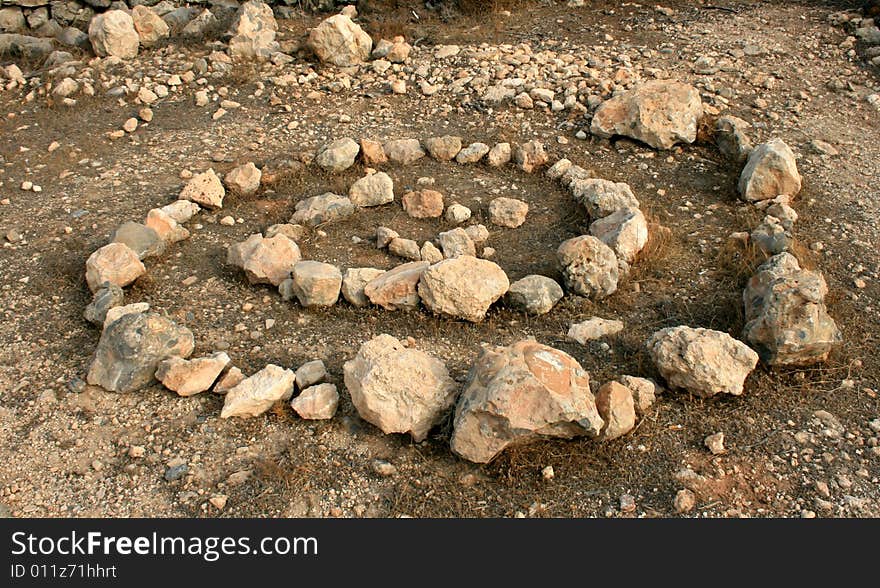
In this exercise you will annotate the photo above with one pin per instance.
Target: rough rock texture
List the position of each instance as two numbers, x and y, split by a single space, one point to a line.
310 373
443 148
499 155
508 212
603 197
644 392
165 226
117 312
318 210
472 153
731 138
372 190
340 42
107 297
786 319
404 151
770 171
143 240
660 113
256 394
701 361
112 33
405 248
354 280
396 289
338 155
265 261
149 26
115 263
253 31
204 189
589 266
534 294
423 204
244 179
593 328
463 287
518 394
317 402
191 376
625 231
614 401
397 389
316 283
373 152
131 348
530 156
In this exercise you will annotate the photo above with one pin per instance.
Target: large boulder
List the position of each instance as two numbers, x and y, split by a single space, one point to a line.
265 261
397 289
521 393
341 42
770 171
399 390
255 395
253 32
589 266
701 361
660 113
786 319
463 287
131 348
115 263
112 33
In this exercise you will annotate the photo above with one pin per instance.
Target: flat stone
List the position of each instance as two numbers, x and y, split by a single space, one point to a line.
354 280
396 289
255 395
191 376
143 240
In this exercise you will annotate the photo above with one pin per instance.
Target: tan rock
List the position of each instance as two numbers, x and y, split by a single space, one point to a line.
443 148
354 280
589 267
165 226
372 190
112 33
602 197
397 289
462 287
770 171
593 328
244 179
530 156
499 155
404 151
115 263
508 212
265 261
316 283
339 41
614 401
204 189
232 378
423 204
149 26
191 376
625 231
644 392
373 152
255 395
317 402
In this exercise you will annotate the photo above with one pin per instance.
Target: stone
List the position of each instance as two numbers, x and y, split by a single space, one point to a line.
316 402
555 171
771 170
384 236
423 204
472 153
772 236
399 51
199 26
396 289
24 47
456 242
508 212
12 20
338 155
117 312
204 189
105 298
310 373
644 392
115 263
732 139
141 239
405 248
519 394
404 151
614 401
354 280
165 226
685 501
660 113
715 443
497 94
149 26
112 34
625 231
373 152
603 197
131 348
67 87
265 261
589 267
244 179
463 287
574 174
339 41
787 322
701 361
372 190
318 210
593 328
292 232
443 148
530 156
398 389
255 395
457 213
232 378
191 376
499 155
534 294
477 233
316 283
181 211
73 37
253 33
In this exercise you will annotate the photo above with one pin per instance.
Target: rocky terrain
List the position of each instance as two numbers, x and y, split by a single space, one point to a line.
396 259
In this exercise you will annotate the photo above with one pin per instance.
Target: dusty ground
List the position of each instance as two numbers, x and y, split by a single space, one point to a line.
65 450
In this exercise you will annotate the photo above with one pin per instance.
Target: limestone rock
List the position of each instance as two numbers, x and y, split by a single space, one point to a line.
731 138
770 171
232 378
117 312
593 328
396 289
430 253
384 236
786 319
589 266
317 402
399 390
256 394
405 248
204 189
244 179
143 240
149 26
508 212
131 348
318 210
644 392
115 263
373 152
530 156
339 41
423 204
253 31
265 261
457 213
112 33
191 376
603 197
354 280
456 242
462 287
404 151
472 153
702 361
372 190
338 155
534 294
614 401
519 394
310 373
499 155
625 231
181 211
316 283
165 226
660 113
443 148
